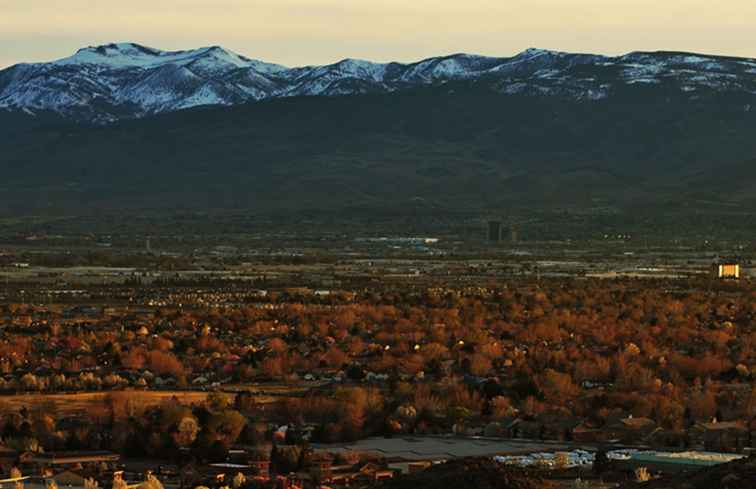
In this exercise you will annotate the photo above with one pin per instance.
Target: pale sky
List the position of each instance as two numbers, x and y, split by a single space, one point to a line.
299 32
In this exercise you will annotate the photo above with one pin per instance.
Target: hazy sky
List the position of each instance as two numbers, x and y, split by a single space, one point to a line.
296 32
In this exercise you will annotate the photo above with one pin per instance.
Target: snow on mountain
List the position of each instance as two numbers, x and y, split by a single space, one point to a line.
129 80
332 79
125 55
125 80
119 55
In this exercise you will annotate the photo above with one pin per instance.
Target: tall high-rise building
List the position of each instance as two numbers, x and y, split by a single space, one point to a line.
494 231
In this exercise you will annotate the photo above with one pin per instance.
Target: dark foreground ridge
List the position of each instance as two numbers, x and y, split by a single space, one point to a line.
462 149
739 474
470 473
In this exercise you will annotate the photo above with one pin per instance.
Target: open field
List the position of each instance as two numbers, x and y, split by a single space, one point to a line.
85 402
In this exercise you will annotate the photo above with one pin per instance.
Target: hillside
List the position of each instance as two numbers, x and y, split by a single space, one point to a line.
646 141
456 148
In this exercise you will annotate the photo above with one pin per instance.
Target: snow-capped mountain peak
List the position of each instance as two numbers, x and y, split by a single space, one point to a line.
132 55
533 52
126 80
115 55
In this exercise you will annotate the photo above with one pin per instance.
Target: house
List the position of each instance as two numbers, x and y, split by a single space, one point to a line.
720 436
373 472
630 429
118 481
345 475
520 428
558 426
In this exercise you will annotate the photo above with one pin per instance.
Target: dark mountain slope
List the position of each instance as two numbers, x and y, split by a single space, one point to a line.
460 147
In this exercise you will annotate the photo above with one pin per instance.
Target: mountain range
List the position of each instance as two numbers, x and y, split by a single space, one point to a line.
655 140
116 81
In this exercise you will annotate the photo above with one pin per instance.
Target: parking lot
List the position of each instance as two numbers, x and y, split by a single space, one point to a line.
442 448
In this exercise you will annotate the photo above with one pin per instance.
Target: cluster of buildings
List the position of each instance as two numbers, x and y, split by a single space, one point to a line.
92 470
727 436
81 469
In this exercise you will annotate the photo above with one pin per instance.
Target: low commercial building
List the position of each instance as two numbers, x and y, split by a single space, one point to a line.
60 460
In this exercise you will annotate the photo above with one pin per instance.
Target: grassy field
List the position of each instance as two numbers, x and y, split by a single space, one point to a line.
79 403
99 402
